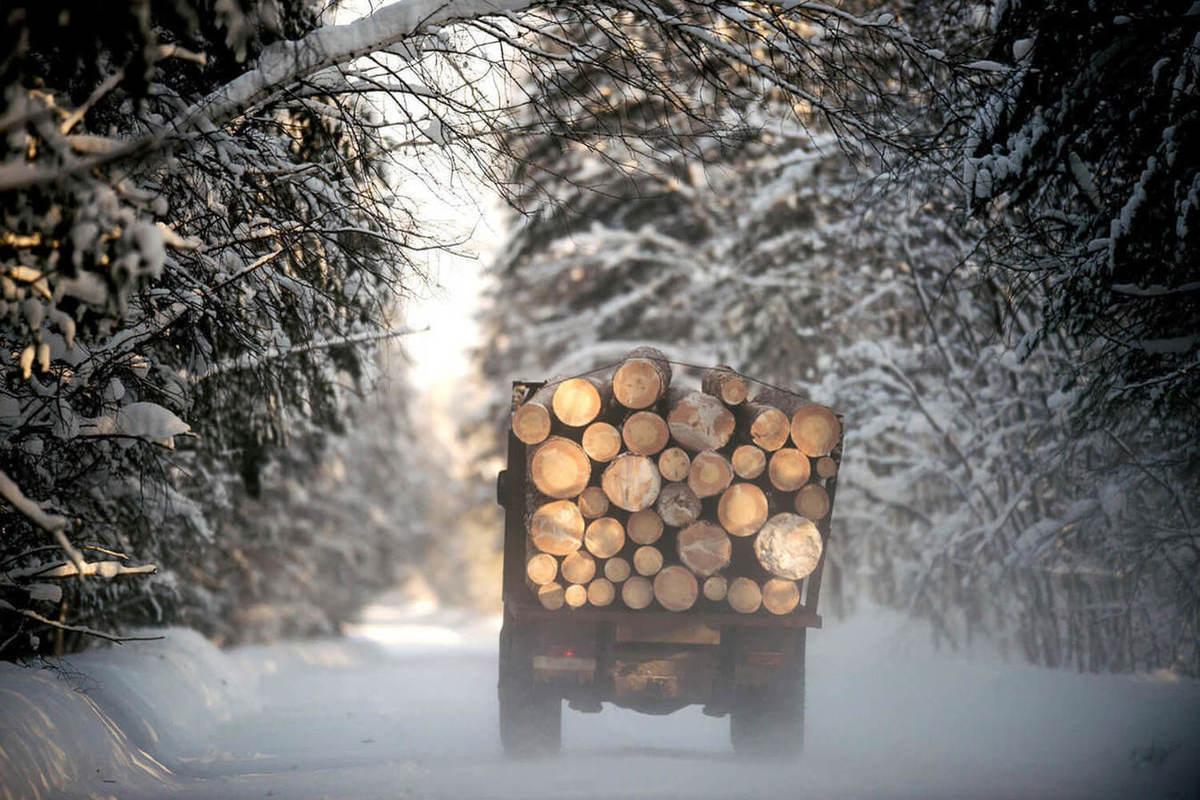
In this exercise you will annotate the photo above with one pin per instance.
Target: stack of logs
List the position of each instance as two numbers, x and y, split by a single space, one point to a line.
643 492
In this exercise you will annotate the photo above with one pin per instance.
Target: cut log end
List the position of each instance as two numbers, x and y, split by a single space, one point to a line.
788 469
769 427
617 569
601 592
601 442
575 596
604 537
743 509
577 402
812 502
645 433
593 502
815 430
579 567
637 592
788 546
541 569
780 596
748 461
716 587
647 560
559 468
704 548
675 588
744 596
700 422
826 468
710 474
645 526
631 482
531 423
551 596
726 385
678 505
557 528
642 379
674 463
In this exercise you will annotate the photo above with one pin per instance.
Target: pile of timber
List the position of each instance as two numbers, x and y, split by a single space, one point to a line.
645 492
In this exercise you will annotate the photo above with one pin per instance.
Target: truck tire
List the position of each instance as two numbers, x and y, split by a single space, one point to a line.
530 716
770 722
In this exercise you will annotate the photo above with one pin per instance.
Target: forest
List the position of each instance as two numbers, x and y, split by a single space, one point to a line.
972 227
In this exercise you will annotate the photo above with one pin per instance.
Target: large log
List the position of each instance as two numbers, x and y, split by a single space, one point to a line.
699 422
674 463
744 596
601 442
617 569
601 592
550 596
742 509
788 546
725 385
557 528
645 433
575 595
637 592
704 548
748 461
675 588
604 537
647 560
812 502
578 401
716 587
710 474
579 567
815 430
559 468
826 467
541 569
642 379
645 526
767 426
678 505
593 502
780 596
631 482
788 469
531 420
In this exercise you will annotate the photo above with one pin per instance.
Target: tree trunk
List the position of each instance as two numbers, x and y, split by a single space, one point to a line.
531 421
575 596
645 433
725 385
699 422
645 526
593 502
812 502
742 509
551 596
675 588
674 463
744 596
579 567
789 469
826 467
601 592
815 430
716 587
541 569
617 569
642 379
559 468
601 442
578 401
780 596
604 537
678 505
647 560
749 461
631 482
637 592
767 426
704 548
557 528
710 474
788 546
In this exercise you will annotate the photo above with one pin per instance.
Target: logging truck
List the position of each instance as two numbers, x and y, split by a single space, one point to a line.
663 547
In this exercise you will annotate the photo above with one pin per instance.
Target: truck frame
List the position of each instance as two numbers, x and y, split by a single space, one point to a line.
747 666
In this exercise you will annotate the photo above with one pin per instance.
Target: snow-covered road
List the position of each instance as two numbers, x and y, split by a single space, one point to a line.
405 707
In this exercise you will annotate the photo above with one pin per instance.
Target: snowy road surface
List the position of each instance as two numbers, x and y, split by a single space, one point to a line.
405 708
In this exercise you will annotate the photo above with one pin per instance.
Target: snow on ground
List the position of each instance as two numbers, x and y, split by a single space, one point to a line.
404 707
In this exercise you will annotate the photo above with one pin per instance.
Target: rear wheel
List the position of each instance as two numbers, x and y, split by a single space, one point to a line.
530 715
770 722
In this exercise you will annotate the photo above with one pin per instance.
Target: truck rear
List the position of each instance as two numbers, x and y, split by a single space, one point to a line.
664 542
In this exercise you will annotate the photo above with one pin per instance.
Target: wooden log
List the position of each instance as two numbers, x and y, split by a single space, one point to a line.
788 469
541 569
637 592
531 422
601 592
675 588
788 546
710 474
578 401
767 426
642 379
647 560
716 587
699 422
748 461
559 468
604 537
826 467
617 569
725 385
704 548
631 482
645 526
575 595
812 502
557 528
743 509
550 595
601 442
593 502
674 463
815 430
678 505
579 567
780 596
645 433
744 596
